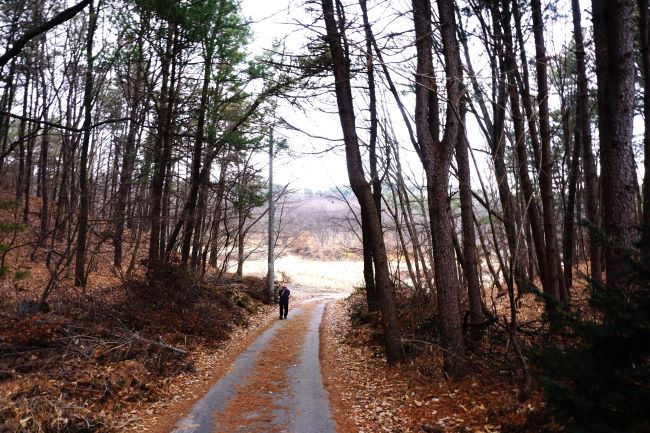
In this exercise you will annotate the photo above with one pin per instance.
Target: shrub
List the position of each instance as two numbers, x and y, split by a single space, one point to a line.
597 378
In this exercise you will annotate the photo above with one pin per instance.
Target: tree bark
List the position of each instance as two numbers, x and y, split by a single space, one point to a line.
554 268
615 70
644 37
200 215
218 210
588 161
368 267
43 178
27 178
469 236
497 147
128 158
570 209
436 156
522 158
360 187
162 145
84 193
22 132
523 82
7 101
190 214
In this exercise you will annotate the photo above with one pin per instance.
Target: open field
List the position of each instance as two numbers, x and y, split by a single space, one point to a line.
332 275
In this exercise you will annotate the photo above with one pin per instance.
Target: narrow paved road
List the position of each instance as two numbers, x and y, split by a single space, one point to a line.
275 386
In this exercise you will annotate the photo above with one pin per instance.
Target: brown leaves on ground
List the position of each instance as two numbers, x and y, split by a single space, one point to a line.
97 363
369 395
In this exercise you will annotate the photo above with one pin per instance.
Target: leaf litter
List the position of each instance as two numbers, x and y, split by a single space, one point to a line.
368 395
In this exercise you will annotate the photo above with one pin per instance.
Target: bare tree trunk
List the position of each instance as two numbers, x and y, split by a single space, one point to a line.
200 215
360 187
63 201
240 245
22 133
436 156
615 70
554 266
401 195
7 101
31 138
414 274
523 82
569 217
29 165
44 154
488 260
190 213
218 210
469 237
162 146
140 212
497 147
368 269
522 158
166 203
128 158
84 194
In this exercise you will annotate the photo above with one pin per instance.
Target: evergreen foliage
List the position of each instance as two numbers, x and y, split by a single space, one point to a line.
598 379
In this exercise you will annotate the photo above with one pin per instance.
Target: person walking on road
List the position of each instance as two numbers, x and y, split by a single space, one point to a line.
284 294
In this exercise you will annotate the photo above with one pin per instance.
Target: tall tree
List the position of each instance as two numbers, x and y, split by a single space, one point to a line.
644 38
496 137
583 133
134 89
530 202
80 276
615 71
469 236
368 267
436 155
546 170
360 187
163 141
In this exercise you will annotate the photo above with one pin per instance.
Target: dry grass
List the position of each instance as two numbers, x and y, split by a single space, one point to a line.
333 275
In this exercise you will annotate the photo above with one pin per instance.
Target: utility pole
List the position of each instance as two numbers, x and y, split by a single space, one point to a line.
271 272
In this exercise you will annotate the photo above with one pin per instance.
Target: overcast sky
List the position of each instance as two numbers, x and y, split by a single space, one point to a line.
273 19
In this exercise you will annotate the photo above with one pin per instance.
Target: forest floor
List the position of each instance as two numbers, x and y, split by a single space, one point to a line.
369 395
105 359
271 382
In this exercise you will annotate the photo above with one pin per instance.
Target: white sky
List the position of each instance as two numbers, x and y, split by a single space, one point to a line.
272 19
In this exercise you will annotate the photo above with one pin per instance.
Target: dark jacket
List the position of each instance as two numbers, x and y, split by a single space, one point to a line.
284 294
